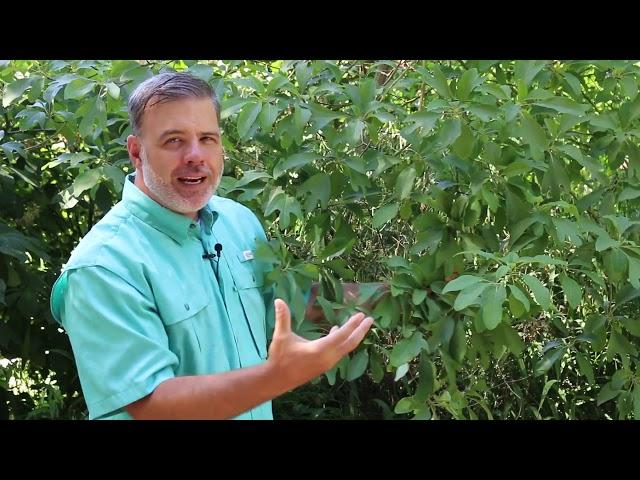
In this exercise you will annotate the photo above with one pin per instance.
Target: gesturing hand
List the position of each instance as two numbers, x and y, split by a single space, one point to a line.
300 360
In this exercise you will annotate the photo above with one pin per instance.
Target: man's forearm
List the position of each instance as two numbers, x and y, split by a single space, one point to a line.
217 396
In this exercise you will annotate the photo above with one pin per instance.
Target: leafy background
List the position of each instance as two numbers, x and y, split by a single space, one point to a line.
499 199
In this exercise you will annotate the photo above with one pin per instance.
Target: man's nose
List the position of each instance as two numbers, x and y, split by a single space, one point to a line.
194 153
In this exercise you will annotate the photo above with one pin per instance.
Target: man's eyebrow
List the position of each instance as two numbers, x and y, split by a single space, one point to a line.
170 132
175 131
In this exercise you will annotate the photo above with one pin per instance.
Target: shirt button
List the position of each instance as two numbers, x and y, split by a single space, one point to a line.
186 305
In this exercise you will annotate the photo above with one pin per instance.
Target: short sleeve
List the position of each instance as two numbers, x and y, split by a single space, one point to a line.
119 341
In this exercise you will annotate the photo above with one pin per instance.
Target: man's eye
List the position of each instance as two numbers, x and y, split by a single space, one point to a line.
173 140
210 139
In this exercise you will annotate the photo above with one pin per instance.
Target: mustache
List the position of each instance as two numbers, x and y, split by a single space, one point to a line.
193 171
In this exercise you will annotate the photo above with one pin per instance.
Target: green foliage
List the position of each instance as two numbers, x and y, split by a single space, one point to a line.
498 199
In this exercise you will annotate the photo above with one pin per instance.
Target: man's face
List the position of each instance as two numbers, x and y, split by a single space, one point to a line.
178 154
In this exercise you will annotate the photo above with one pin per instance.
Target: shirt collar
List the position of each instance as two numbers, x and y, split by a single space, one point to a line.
173 224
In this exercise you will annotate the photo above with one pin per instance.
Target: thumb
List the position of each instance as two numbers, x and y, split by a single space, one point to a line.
283 318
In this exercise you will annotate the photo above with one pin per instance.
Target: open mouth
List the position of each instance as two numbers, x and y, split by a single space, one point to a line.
191 180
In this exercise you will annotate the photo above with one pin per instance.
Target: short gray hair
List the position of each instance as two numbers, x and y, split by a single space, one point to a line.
166 87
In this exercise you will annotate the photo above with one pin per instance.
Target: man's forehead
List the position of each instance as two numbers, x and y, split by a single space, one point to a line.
178 113
157 101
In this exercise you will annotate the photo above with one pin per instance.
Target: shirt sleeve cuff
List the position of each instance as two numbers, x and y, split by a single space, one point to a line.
125 397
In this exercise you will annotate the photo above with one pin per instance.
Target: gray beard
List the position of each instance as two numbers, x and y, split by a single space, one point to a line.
166 194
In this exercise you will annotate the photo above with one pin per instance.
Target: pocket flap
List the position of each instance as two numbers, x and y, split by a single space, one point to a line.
178 308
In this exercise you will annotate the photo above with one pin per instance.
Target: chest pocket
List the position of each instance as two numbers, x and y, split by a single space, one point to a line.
249 280
179 312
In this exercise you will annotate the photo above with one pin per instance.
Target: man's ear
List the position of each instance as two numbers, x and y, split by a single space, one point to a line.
134 147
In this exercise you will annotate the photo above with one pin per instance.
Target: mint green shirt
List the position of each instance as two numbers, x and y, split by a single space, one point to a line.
141 305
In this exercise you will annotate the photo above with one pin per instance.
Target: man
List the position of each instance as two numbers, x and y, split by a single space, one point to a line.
162 299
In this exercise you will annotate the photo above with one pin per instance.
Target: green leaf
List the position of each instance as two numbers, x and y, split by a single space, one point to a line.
14 90
289 206
620 223
636 402
548 360
511 338
619 345
469 296
463 146
461 283
384 214
628 193
321 116
247 117
564 105
533 134
485 113
73 159
78 88
401 371
543 259
585 368
301 117
353 131
267 117
294 161
357 365
545 390
467 82
319 189
615 265
116 175
202 71
96 112
250 176
605 242
556 178
606 393
629 86
520 296
526 70
113 90
418 296
404 405
450 131
540 293
458 343
437 80
572 290
404 182
85 181
396 262
567 230
632 325
493 299
407 349
634 271
231 106
276 83
426 372
424 119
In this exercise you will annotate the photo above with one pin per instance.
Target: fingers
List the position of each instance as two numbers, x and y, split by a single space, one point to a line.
357 335
348 335
283 318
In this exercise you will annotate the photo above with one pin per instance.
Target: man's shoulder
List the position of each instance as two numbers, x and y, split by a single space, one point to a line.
234 211
110 236
228 206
